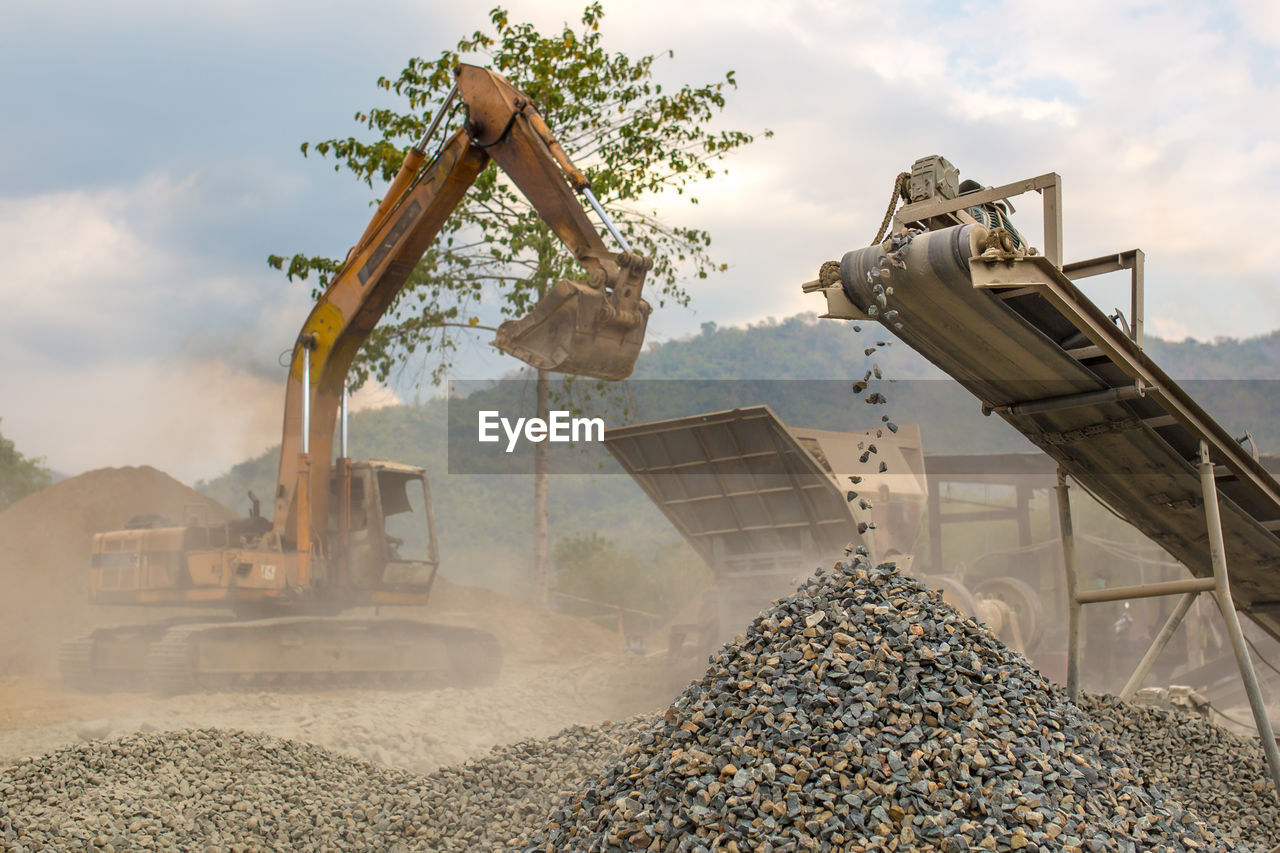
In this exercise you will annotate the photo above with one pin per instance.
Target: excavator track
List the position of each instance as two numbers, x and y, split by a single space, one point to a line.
75 663
289 652
169 667
109 659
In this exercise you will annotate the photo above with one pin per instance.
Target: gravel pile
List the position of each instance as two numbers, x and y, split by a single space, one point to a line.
864 713
1222 776
219 790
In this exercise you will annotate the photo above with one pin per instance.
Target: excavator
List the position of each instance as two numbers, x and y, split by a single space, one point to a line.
356 534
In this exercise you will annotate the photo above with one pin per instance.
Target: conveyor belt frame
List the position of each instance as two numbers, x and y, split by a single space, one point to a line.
1219 586
1009 274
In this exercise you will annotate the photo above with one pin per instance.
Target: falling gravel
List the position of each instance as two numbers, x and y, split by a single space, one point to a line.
221 790
1221 776
864 713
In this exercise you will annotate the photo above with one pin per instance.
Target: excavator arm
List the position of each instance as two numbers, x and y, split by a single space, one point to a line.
592 328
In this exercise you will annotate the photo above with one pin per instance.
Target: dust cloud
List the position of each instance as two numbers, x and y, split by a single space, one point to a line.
559 669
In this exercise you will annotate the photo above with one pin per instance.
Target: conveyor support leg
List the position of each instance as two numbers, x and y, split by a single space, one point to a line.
1073 603
1217 550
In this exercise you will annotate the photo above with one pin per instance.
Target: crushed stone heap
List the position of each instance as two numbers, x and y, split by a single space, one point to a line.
863 713
211 789
1220 775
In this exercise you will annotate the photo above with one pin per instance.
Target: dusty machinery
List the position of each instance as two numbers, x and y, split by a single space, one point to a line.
955 281
763 503
350 534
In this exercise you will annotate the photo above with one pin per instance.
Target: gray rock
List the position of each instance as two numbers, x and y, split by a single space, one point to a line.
866 710
223 790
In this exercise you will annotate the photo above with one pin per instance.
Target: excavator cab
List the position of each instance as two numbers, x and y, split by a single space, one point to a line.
388 541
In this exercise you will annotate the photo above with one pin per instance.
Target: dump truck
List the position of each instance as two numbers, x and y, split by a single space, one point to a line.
356 534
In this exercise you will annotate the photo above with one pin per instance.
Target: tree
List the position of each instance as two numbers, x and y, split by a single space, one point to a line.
633 138
19 476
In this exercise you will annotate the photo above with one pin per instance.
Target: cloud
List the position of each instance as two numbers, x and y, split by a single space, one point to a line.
144 176
80 271
124 346
1168 328
187 418
1164 149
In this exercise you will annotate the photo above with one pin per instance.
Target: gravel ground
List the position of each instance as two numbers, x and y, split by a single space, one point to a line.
1222 776
218 790
863 713
418 731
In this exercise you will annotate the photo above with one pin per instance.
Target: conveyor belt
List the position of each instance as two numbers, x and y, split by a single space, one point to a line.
1019 335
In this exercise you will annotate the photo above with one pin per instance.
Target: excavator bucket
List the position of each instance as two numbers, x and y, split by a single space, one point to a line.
583 329
575 329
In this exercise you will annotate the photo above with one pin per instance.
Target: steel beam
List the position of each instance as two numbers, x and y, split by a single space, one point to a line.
1002 514
1052 195
1068 401
1137 296
1098 266
1157 646
922 210
1146 590
1079 353
1133 260
1048 185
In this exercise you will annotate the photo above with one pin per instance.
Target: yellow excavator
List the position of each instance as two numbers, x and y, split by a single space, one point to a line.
350 534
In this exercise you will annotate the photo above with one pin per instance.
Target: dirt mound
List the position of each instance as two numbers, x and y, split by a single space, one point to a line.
44 555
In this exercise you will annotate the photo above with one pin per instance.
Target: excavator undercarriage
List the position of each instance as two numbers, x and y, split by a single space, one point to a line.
289 651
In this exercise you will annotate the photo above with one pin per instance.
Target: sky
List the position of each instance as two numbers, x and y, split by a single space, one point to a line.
149 163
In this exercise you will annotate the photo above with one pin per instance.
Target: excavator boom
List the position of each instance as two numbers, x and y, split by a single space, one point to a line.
592 328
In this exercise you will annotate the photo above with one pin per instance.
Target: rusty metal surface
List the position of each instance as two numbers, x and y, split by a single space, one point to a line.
582 329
